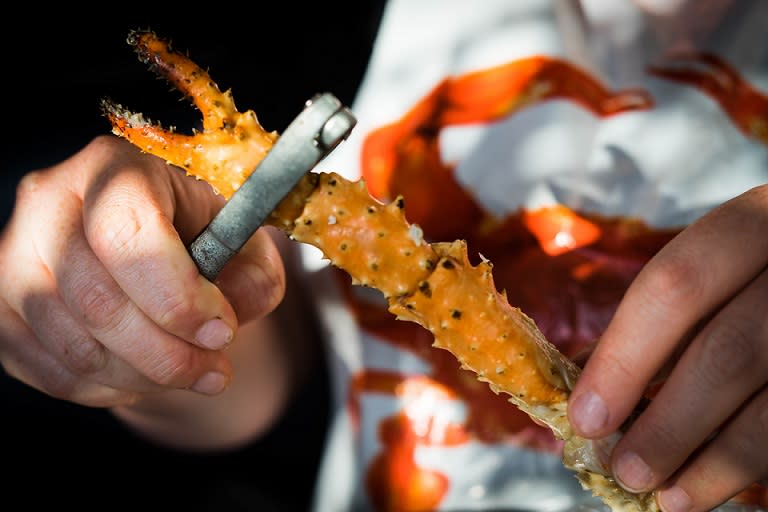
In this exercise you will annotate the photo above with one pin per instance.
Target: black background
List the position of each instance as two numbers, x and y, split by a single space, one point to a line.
58 62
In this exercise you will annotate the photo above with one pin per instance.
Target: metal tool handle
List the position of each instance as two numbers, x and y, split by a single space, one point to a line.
315 132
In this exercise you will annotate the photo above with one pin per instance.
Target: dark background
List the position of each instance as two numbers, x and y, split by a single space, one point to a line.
58 62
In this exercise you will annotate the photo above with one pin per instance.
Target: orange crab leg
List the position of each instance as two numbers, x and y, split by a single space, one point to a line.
231 144
218 109
433 285
745 105
494 93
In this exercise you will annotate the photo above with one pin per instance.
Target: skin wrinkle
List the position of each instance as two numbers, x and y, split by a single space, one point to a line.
119 199
175 302
726 353
102 296
665 440
121 244
82 354
76 362
53 378
155 361
718 380
617 362
79 352
258 266
178 304
99 306
163 364
732 447
62 383
673 281
105 366
166 367
668 288
152 171
677 276
117 242
57 370
737 223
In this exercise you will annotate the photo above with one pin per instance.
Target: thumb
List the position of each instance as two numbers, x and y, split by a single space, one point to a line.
254 279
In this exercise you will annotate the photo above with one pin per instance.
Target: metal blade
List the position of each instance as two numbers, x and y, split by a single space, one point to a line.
315 132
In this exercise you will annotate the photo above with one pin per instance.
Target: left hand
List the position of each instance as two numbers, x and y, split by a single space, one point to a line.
697 314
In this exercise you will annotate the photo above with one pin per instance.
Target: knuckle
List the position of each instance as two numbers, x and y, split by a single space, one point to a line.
113 240
107 151
620 367
53 379
173 369
674 279
29 185
666 441
175 309
100 306
728 352
85 356
32 189
105 142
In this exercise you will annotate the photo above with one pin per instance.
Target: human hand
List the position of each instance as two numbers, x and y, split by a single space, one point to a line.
101 302
696 314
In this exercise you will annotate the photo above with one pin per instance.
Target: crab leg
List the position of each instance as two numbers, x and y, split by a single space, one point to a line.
231 144
745 104
434 285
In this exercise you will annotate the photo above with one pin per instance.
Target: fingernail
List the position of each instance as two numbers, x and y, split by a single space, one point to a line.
588 413
674 499
211 383
632 472
214 334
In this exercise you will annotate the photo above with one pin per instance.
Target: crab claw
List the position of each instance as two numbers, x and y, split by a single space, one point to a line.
231 143
745 104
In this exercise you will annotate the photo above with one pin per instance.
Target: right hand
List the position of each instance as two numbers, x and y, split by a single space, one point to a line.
100 300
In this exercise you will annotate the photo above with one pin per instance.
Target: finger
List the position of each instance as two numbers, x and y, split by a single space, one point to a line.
43 309
723 367
254 279
128 223
23 355
25 359
689 278
75 348
160 358
139 355
728 464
